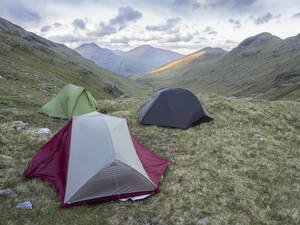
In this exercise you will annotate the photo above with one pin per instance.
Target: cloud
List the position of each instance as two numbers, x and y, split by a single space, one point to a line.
123 40
236 23
45 28
79 24
17 11
210 30
196 4
69 38
56 24
192 3
297 15
103 30
176 38
266 18
169 24
125 16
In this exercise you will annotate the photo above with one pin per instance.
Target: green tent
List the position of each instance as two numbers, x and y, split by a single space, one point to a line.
71 101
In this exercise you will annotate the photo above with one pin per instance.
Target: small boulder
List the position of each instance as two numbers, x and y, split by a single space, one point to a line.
24 205
29 97
11 77
103 111
37 77
9 109
9 192
44 131
23 127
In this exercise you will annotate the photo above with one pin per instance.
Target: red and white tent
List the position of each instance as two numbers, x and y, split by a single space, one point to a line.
95 158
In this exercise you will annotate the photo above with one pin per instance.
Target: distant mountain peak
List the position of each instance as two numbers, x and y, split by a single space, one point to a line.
89 45
258 40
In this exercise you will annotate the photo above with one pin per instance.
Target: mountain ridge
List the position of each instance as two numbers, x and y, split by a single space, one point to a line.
263 65
135 61
33 69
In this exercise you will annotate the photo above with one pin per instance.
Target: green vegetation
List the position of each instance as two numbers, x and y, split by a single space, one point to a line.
241 168
33 66
263 66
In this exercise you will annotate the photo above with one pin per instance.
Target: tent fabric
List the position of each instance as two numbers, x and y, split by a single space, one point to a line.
71 101
95 158
173 107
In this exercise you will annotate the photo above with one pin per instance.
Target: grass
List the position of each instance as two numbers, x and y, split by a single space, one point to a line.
32 65
267 67
242 168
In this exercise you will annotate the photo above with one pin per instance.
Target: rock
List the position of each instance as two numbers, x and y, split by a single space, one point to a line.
168 142
4 27
203 220
29 97
44 131
260 138
9 192
11 77
37 77
123 96
42 90
23 127
233 98
9 109
103 111
2 78
25 87
24 205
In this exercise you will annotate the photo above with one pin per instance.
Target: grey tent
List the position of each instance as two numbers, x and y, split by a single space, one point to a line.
173 107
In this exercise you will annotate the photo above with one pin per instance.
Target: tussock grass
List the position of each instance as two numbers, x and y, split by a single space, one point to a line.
241 168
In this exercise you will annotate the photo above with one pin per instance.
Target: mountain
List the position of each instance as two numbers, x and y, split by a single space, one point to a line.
263 65
136 61
33 68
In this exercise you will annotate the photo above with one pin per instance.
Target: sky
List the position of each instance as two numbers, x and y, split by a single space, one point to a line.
184 26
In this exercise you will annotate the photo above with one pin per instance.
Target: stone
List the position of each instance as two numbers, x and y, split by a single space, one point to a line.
2 78
42 90
9 109
29 97
103 111
9 192
168 142
37 77
23 127
123 96
44 131
203 220
11 77
24 205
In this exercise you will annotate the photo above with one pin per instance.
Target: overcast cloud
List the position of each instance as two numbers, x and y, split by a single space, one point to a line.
180 25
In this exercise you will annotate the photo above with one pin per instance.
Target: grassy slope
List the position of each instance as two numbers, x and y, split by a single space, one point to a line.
220 170
179 72
263 65
43 67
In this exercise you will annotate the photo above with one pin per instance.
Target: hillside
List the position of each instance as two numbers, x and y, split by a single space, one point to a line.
136 61
241 168
263 65
33 69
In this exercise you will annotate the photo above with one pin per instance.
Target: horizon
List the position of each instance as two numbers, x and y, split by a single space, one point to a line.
180 26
